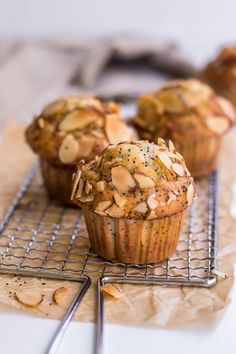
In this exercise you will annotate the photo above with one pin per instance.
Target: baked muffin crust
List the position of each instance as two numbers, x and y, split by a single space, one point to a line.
183 109
76 127
135 180
221 72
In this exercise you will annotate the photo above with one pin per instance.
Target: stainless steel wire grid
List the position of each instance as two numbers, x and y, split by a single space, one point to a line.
40 237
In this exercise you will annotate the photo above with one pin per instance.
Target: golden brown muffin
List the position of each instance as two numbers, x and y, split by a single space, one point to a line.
220 73
190 114
133 197
71 129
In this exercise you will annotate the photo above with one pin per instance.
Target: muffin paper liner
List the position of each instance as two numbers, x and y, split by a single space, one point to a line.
201 155
133 241
58 181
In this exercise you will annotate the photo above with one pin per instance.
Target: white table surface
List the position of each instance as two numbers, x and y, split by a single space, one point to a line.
24 334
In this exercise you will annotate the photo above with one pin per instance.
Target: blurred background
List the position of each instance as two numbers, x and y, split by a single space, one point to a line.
42 45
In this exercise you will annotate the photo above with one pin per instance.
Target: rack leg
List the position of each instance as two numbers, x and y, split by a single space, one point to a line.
58 335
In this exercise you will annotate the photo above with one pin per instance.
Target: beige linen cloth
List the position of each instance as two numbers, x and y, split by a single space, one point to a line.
33 73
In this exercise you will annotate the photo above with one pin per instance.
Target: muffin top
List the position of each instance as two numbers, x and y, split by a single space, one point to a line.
134 180
183 108
221 72
76 127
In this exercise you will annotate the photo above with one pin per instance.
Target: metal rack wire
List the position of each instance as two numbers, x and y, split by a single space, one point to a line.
40 237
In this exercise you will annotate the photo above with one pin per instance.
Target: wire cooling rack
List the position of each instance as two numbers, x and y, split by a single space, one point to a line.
40 237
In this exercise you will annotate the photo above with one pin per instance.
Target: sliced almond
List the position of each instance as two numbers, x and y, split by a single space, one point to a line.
190 194
172 197
221 275
102 206
165 160
151 215
161 142
59 295
90 198
143 180
88 187
54 108
100 186
100 212
98 160
86 144
116 129
171 101
69 149
115 212
172 155
78 119
218 125
141 207
171 146
227 107
112 291
80 189
178 169
122 179
75 183
29 298
41 123
152 202
120 200
61 134
97 133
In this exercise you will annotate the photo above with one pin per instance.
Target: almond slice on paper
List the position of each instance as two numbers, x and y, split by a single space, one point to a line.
120 200
221 275
115 212
165 160
122 179
152 202
59 295
112 291
141 207
218 125
190 194
29 298
77 119
69 149
143 180
115 129
54 108
178 169
102 206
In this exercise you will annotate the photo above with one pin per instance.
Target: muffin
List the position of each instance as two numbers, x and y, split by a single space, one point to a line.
133 197
220 73
71 129
190 114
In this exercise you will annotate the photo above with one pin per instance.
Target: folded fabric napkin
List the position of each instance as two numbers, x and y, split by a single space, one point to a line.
115 67
131 53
